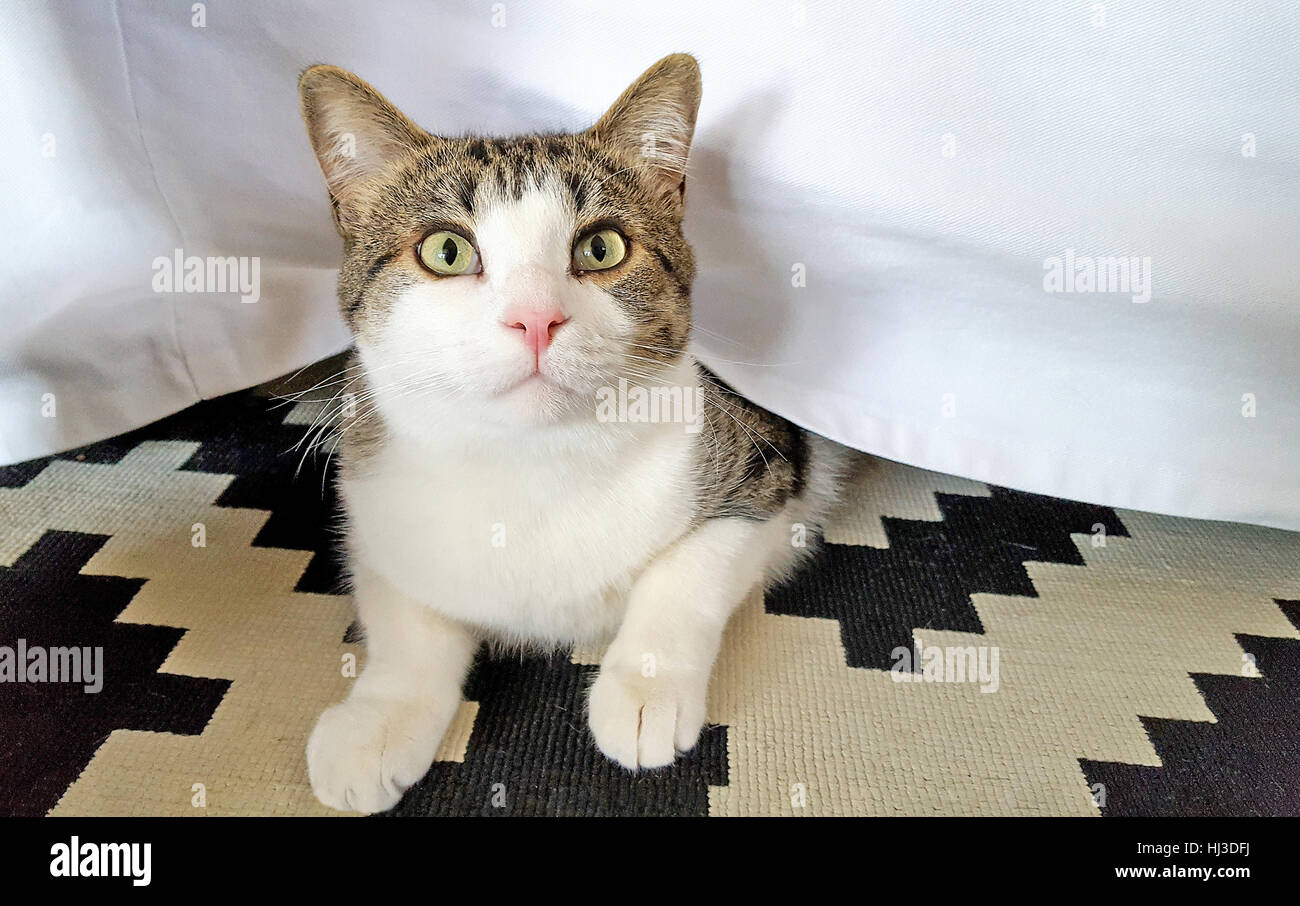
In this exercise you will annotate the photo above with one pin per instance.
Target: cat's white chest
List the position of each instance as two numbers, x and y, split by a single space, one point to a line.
527 547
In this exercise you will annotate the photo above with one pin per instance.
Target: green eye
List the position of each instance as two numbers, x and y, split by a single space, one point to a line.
448 254
599 251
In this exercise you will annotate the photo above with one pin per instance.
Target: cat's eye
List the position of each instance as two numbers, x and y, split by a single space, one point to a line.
448 254
599 250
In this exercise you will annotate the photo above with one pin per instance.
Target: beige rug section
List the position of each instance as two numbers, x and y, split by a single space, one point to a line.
882 488
1103 644
282 649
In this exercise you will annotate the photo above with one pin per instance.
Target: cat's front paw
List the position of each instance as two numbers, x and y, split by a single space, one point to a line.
643 721
366 752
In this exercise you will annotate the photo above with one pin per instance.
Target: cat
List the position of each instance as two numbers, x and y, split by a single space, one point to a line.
497 289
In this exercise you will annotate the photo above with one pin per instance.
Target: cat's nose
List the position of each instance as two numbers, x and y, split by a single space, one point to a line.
538 326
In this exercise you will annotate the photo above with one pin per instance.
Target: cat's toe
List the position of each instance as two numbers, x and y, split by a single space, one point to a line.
365 753
643 722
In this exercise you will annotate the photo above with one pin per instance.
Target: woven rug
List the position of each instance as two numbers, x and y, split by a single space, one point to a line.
955 649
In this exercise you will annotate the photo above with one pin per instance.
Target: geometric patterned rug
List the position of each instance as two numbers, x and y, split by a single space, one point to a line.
955 649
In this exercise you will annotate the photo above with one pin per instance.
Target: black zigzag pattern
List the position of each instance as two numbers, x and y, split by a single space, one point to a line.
49 730
1245 763
530 753
925 578
243 435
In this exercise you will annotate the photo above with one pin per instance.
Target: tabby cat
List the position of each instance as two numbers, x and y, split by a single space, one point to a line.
517 304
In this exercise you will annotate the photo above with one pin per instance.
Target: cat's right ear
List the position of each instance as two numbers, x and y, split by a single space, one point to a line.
356 133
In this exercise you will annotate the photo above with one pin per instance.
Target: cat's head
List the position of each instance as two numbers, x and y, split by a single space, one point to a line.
516 276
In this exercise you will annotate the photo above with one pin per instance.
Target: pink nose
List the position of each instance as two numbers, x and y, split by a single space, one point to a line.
538 326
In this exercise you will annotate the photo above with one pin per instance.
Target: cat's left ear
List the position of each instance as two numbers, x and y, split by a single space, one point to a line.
654 121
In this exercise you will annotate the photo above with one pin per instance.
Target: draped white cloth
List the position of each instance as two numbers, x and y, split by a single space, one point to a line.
895 206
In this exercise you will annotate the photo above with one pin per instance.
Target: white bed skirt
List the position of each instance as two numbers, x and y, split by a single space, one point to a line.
1054 246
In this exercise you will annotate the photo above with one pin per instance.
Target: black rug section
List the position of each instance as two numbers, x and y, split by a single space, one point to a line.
531 754
49 730
925 578
244 435
1247 763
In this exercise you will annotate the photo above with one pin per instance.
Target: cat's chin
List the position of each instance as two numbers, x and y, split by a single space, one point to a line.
535 383
539 399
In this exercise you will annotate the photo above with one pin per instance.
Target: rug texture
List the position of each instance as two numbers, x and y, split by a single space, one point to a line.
954 649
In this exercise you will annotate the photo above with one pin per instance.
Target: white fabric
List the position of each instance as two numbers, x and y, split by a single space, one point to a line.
920 161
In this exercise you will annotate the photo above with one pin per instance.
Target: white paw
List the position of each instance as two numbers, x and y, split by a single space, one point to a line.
644 721
365 752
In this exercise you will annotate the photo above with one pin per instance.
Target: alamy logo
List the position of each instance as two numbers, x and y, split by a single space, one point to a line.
36 664
1102 274
214 274
950 664
103 860
653 405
